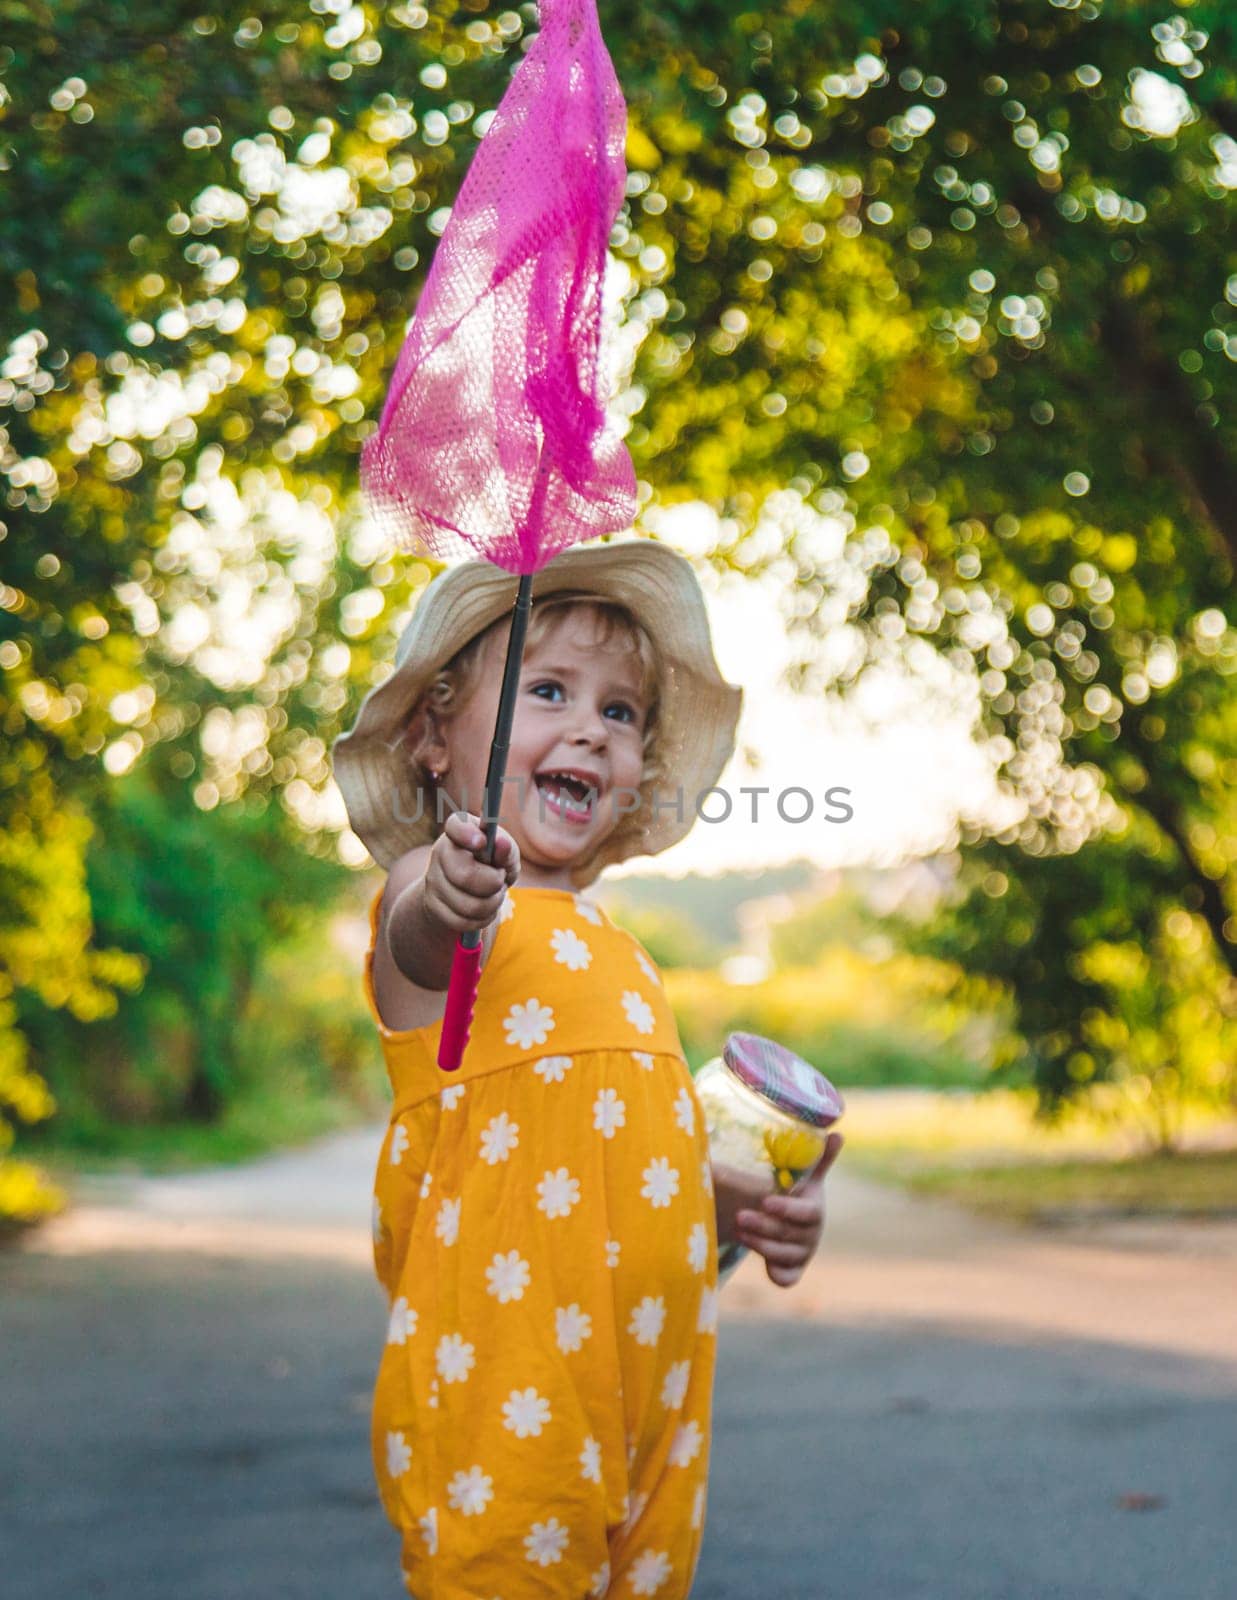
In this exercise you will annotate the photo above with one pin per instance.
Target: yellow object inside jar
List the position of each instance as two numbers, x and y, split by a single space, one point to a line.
792 1151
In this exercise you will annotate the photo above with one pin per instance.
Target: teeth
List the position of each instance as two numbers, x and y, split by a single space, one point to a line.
563 796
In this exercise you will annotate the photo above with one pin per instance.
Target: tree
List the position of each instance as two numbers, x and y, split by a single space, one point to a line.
48 955
934 304
969 297
1115 981
195 899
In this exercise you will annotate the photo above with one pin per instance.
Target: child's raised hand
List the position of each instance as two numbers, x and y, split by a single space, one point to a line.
461 891
786 1229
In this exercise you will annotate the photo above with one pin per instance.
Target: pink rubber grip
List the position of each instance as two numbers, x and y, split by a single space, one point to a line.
461 998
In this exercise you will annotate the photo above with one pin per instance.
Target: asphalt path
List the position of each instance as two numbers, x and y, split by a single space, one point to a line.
944 1408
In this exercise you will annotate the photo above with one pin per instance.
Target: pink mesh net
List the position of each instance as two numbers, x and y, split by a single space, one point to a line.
493 440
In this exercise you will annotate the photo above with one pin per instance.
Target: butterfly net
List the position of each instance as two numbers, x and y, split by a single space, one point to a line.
493 441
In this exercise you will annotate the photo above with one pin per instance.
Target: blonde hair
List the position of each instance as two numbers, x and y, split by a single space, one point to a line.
454 684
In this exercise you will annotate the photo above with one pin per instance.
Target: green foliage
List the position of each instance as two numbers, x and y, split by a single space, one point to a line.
712 904
936 306
968 296
671 938
289 1108
1112 979
307 1020
48 953
842 919
197 898
863 1021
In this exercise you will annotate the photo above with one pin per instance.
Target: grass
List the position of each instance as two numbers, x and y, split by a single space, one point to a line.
1192 1184
861 1057
990 1152
257 1122
982 1148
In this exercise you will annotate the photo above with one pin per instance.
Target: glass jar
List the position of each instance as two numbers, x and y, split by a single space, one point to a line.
768 1114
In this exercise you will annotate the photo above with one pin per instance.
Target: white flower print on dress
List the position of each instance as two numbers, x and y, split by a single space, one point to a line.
570 950
685 1112
434 1394
528 1024
507 910
451 1097
399 1454
507 1277
609 1113
706 1322
706 1176
686 1446
648 1319
447 1226
650 1572
674 1389
428 1525
399 1143
587 910
499 1138
470 1492
590 1461
639 1011
647 967
375 1220
545 1542
456 1358
552 1069
557 1193
698 1248
613 1248
525 1413
600 1582
643 1059
425 1184
698 1508
572 1328
402 1323
661 1182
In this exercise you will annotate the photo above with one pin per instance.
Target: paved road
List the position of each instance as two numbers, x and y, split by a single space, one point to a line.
945 1409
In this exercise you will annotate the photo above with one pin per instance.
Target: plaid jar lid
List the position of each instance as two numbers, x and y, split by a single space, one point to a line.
783 1078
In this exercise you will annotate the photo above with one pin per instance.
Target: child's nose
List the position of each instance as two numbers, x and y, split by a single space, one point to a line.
592 726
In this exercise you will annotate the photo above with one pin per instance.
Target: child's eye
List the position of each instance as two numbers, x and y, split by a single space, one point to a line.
628 712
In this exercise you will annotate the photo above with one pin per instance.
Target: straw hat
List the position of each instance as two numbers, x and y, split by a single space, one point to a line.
389 810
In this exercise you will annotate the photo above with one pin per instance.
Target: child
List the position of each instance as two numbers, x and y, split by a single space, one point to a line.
544 1221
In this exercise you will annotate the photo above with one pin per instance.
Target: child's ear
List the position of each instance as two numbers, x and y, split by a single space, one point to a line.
423 738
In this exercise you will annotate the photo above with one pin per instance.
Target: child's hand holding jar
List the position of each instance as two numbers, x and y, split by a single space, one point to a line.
768 1115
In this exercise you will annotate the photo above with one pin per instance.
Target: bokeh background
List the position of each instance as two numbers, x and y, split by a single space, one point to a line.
924 329
924 338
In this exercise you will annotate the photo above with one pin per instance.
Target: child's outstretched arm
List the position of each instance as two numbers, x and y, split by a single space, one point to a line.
785 1229
456 892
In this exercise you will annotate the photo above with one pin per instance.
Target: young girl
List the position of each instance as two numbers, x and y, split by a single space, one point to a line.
544 1219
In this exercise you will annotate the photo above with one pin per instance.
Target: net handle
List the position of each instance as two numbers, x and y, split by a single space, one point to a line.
466 962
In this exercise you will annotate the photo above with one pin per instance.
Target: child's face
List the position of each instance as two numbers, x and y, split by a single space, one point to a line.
579 710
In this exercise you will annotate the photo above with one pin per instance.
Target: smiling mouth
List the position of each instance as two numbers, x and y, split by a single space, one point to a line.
567 797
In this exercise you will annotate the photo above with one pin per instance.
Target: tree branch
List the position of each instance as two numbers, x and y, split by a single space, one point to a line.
1169 819
1203 470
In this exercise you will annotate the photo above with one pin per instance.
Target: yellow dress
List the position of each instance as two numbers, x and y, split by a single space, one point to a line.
544 1229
